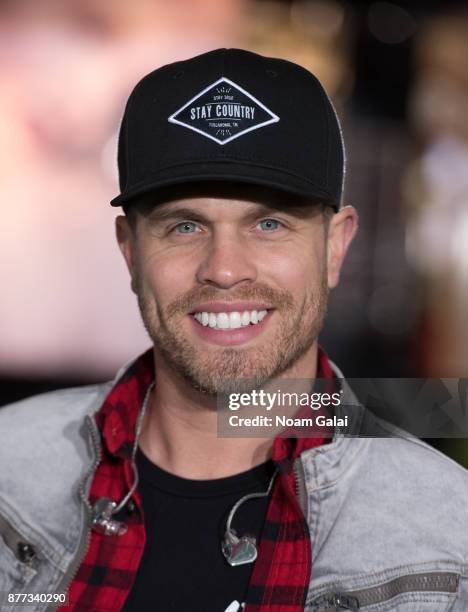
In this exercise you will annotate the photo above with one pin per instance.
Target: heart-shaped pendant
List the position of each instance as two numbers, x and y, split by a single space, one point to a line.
103 521
239 551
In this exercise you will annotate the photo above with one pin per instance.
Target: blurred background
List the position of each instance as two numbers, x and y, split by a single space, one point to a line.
397 72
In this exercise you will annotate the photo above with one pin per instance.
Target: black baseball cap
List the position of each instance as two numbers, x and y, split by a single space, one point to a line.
231 115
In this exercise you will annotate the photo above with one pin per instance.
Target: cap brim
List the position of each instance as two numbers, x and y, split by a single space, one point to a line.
236 172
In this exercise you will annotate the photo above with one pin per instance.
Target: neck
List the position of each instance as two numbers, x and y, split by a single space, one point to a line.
179 432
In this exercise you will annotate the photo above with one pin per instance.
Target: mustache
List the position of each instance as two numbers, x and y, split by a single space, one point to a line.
279 299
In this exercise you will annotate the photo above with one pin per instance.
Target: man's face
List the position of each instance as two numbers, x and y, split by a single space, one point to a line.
229 286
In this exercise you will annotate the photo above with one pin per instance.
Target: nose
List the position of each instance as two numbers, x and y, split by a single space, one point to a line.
227 262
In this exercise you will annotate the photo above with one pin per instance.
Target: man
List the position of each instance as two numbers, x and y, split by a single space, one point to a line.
123 495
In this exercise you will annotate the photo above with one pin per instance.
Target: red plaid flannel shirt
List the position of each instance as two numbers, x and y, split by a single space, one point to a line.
281 574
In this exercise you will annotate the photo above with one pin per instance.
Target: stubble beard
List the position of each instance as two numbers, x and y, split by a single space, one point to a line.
234 368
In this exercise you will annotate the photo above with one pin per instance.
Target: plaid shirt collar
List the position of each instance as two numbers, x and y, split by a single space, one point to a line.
281 574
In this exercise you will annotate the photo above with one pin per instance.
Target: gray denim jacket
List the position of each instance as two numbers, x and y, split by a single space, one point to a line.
388 515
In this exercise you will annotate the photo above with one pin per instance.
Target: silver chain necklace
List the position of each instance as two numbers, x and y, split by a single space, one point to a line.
237 550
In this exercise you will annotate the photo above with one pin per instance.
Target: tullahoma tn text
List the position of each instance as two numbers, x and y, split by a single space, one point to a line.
283 421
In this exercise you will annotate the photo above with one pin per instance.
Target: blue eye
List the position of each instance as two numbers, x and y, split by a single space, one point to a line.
187 227
269 224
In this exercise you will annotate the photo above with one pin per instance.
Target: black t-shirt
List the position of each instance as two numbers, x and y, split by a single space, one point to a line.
183 568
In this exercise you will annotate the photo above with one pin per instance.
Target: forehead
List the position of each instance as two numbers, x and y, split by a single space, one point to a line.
234 196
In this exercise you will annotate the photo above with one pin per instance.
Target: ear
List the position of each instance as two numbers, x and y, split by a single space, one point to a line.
341 231
125 235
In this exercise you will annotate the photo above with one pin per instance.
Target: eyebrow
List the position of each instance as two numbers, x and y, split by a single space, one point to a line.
168 214
162 213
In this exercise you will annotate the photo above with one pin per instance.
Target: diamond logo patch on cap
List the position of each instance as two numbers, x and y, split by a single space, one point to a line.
223 111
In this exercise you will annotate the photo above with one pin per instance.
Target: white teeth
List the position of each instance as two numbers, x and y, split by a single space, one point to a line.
222 320
234 320
245 318
230 320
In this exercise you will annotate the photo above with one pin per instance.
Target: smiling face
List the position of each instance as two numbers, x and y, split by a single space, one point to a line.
232 282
